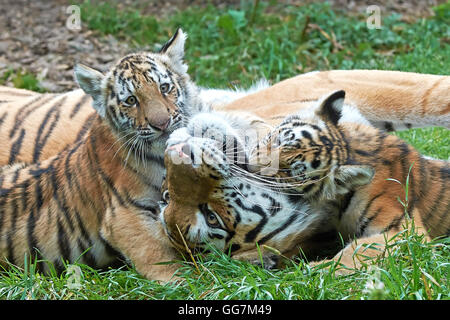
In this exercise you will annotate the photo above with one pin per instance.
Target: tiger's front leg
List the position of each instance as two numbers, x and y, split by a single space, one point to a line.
141 239
263 258
363 252
358 253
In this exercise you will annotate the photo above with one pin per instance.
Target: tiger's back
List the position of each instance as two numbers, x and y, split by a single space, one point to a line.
405 183
37 126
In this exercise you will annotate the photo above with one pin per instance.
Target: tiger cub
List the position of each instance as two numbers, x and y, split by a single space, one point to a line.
96 201
36 126
362 171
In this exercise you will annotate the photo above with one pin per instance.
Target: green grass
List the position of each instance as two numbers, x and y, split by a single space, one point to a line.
241 45
236 47
412 269
22 79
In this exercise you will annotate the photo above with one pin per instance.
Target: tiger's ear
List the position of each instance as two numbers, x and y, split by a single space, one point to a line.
174 49
330 108
90 81
352 176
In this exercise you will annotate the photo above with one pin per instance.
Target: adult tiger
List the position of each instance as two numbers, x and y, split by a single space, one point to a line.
96 200
332 178
37 126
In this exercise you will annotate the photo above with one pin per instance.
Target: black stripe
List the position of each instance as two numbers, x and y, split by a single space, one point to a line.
109 183
2 214
63 243
388 126
362 224
234 247
12 232
24 196
345 202
3 117
95 163
86 126
136 204
22 113
17 94
395 223
32 241
78 105
82 191
286 224
60 201
15 148
38 194
88 257
434 208
41 139
252 234
67 166
445 172
364 153
110 251
216 235
111 115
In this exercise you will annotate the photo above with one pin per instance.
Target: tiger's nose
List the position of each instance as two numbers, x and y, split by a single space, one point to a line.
161 125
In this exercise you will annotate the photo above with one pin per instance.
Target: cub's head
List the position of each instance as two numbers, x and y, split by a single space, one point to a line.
144 93
211 199
308 153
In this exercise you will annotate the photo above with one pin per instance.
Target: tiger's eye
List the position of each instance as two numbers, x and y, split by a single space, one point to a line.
164 88
131 101
212 219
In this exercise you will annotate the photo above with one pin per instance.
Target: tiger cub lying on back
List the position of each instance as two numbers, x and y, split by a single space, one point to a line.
332 177
362 171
